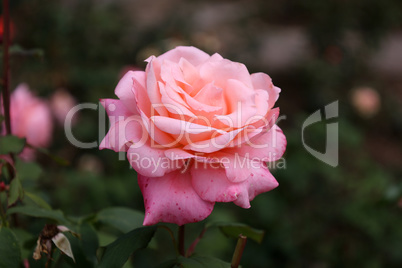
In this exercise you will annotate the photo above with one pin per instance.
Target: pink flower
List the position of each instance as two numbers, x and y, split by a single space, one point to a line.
198 129
366 101
30 119
61 103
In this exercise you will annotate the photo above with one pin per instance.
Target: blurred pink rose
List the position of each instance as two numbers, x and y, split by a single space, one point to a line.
198 129
30 119
61 103
366 101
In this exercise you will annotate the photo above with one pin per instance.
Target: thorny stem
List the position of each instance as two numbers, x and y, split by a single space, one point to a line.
181 240
6 83
6 71
241 243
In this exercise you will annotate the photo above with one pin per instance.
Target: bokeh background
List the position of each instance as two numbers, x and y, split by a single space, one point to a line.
316 51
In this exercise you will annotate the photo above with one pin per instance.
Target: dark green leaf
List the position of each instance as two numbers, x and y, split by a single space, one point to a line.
123 219
24 239
89 241
105 238
196 261
235 229
16 191
168 264
117 253
1 119
37 200
10 252
27 171
11 144
56 215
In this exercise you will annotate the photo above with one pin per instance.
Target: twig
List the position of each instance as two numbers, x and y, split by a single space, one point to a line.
241 243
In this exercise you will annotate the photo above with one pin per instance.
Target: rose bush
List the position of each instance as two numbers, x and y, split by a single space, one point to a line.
31 119
198 129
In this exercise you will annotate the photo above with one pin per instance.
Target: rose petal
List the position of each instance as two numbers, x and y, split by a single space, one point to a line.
268 146
211 95
216 143
263 81
241 105
183 131
171 198
125 90
158 138
222 70
211 184
173 102
150 161
125 132
152 72
191 54
116 110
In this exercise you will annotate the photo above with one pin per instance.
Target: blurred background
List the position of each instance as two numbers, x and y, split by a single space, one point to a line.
317 52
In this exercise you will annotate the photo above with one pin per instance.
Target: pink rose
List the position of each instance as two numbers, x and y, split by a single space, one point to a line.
61 103
30 119
198 129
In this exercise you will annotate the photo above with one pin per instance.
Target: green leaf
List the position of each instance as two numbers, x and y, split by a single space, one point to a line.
89 241
1 119
235 229
11 144
105 238
32 211
168 264
37 200
27 171
197 261
24 239
16 191
123 219
118 252
10 252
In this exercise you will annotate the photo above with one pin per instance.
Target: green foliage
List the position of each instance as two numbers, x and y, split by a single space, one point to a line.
11 144
27 170
117 253
10 253
123 219
37 200
16 191
235 229
38 212
201 262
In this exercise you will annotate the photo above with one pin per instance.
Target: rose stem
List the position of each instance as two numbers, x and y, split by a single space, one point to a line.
6 80
181 240
6 65
241 243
